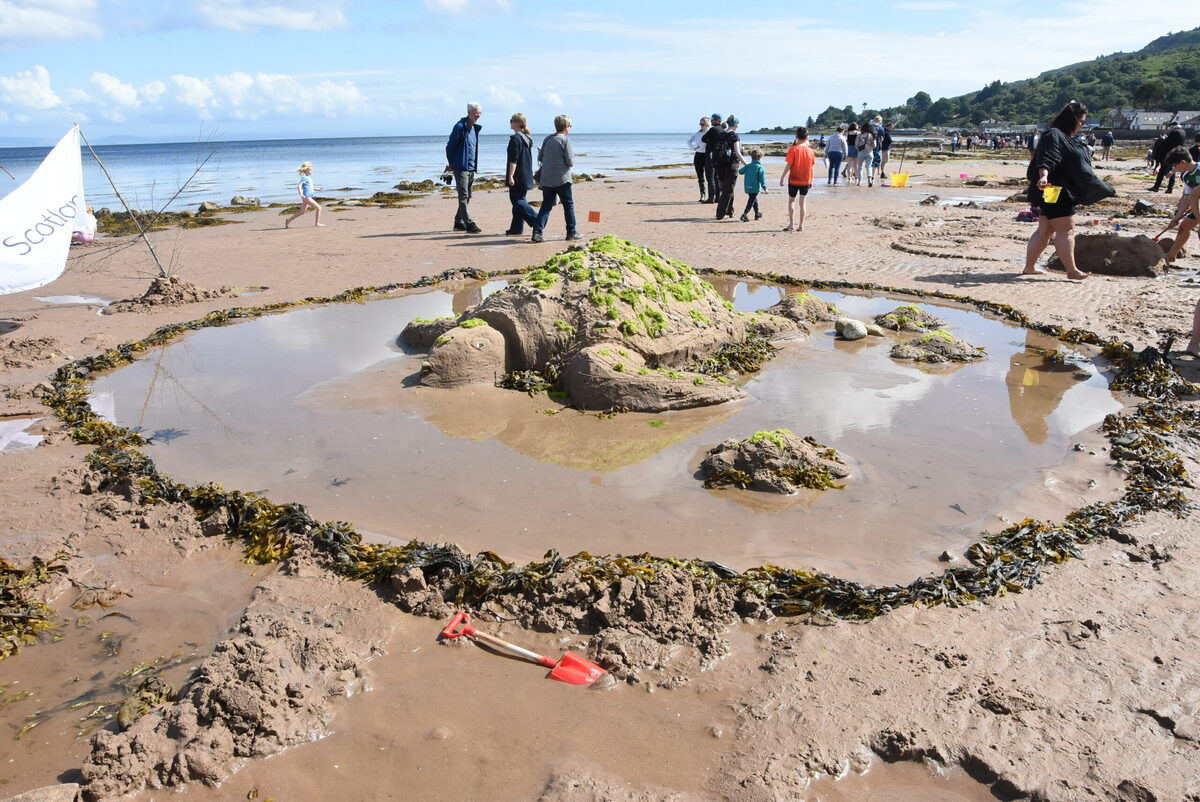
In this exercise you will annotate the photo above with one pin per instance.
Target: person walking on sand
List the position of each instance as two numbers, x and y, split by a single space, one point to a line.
1062 161
305 187
726 159
556 157
866 155
520 175
755 181
850 166
835 151
462 159
710 139
1106 142
700 156
798 177
1173 139
1188 210
885 148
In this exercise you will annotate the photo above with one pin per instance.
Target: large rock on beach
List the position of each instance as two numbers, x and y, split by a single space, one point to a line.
776 461
620 322
850 329
1111 254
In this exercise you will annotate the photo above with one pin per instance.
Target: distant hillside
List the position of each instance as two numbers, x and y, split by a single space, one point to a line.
1163 75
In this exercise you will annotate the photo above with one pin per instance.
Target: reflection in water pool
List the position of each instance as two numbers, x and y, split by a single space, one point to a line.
318 406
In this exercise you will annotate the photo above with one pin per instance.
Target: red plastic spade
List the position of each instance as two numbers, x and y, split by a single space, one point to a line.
571 668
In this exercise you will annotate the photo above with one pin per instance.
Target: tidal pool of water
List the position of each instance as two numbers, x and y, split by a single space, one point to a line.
320 406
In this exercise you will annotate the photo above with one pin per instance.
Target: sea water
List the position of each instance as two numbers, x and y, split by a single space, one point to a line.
150 175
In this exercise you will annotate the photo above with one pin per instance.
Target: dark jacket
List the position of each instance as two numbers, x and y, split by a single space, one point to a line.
520 153
1069 165
462 148
711 137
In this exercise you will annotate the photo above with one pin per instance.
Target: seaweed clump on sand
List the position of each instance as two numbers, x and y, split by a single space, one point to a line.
122 224
937 346
24 618
777 461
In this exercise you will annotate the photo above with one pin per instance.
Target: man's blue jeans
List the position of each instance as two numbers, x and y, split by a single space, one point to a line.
550 196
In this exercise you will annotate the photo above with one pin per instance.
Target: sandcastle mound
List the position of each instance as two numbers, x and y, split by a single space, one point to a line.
777 461
168 291
1113 255
908 317
937 346
616 324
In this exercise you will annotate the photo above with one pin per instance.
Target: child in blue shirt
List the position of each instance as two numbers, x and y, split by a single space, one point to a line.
754 183
305 189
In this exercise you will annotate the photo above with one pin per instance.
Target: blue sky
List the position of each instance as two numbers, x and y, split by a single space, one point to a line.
178 70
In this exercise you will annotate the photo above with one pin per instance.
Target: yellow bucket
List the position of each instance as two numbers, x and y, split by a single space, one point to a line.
899 179
1050 194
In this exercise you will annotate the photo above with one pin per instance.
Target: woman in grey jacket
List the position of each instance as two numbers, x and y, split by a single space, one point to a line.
556 159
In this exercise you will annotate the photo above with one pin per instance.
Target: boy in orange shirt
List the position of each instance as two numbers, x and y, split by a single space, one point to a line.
798 177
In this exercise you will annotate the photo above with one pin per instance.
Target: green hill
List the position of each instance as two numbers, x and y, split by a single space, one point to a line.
1164 75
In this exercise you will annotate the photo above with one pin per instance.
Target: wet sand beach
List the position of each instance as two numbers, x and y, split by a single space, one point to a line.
1084 687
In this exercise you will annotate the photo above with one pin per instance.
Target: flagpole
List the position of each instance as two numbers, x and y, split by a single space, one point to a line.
137 223
6 172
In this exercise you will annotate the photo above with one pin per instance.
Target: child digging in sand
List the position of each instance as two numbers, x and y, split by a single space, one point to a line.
1186 214
305 187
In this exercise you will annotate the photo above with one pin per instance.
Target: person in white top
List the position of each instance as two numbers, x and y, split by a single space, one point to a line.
700 158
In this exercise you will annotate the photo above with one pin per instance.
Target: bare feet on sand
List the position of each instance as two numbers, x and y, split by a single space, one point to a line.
1034 272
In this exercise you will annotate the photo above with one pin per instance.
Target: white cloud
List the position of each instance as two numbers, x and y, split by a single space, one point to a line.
249 16
503 96
26 21
152 91
462 6
927 6
240 96
553 99
30 89
115 90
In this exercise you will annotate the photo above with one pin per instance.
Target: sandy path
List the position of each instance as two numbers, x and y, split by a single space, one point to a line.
1083 688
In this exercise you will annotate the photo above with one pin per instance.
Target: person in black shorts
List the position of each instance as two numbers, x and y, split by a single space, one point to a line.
1059 160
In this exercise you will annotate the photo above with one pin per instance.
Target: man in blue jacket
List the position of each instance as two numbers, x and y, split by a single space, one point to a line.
462 159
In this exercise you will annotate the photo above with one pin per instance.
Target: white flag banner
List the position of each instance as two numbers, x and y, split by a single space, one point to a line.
37 218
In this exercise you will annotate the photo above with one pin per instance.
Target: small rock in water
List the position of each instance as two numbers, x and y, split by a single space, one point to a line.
947 556
209 206
875 330
850 329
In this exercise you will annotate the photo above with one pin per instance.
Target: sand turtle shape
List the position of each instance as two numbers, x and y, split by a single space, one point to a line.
618 324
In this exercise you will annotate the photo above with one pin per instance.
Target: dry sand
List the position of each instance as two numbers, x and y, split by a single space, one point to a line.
1084 688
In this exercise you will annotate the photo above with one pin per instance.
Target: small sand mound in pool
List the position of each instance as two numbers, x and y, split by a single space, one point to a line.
908 317
168 291
937 346
777 462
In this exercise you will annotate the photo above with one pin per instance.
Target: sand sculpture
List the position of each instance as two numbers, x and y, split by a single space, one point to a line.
616 325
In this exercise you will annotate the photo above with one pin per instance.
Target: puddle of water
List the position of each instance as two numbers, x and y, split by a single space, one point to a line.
317 406
74 300
175 616
14 434
904 781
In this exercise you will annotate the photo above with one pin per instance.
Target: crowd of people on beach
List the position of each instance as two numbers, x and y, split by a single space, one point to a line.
1060 173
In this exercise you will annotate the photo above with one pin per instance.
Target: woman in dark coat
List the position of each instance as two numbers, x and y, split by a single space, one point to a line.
1062 161
520 175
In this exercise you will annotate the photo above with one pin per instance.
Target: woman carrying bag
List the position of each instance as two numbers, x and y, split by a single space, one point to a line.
1064 163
